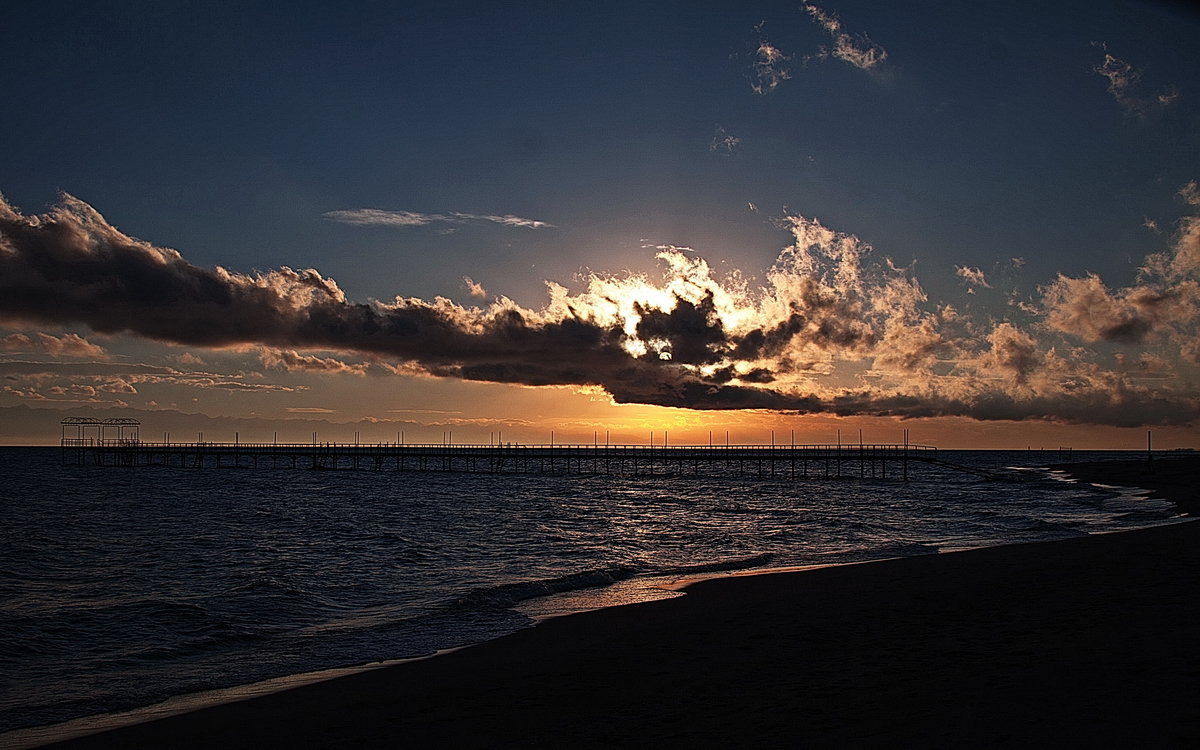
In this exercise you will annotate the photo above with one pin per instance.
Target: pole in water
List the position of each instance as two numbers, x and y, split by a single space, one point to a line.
862 469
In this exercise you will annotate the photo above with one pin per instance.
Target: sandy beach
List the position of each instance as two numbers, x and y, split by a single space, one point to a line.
1083 642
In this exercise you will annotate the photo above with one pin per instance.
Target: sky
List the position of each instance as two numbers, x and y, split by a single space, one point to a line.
627 221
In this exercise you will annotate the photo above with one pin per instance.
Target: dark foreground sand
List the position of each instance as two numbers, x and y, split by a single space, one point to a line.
1085 642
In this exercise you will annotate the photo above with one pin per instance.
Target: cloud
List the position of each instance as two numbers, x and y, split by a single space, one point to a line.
53 379
724 141
828 329
1125 86
118 385
72 390
1184 259
310 410
855 49
292 361
1013 352
80 369
507 220
379 217
223 383
42 386
1087 308
770 67
67 345
474 288
973 276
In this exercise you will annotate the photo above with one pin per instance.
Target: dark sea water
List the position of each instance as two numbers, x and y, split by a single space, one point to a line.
121 587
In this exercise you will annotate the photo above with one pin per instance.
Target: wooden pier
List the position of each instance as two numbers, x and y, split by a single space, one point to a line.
110 444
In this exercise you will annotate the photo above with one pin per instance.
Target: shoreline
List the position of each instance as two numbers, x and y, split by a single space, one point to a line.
1168 477
545 687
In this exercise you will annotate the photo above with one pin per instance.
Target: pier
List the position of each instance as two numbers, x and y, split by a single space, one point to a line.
117 443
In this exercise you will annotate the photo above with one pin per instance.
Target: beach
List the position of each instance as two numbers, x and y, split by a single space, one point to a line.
1085 641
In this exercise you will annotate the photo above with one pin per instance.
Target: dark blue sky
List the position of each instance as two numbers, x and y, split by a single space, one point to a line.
254 136
227 133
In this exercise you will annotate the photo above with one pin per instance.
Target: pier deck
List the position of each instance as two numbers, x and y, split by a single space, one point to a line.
783 461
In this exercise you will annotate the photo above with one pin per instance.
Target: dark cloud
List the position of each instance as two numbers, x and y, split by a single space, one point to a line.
692 332
692 343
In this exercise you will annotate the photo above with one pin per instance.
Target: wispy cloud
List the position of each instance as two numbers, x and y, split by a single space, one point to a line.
973 277
855 49
724 141
827 329
227 384
380 217
1125 86
67 345
770 66
286 359
474 288
95 382
78 369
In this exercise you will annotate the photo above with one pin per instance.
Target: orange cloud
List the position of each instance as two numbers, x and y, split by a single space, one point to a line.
67 345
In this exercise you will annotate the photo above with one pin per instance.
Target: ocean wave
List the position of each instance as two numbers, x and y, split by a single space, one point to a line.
507 594
738 563
880 552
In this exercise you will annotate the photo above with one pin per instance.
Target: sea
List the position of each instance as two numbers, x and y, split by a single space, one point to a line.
122 587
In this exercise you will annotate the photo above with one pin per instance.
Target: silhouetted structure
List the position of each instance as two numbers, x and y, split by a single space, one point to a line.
116 443
93 433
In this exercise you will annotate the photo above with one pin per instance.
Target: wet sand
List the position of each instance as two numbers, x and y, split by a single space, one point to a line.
1088 641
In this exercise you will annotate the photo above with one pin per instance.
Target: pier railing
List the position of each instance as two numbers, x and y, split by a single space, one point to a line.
764 460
